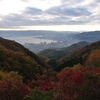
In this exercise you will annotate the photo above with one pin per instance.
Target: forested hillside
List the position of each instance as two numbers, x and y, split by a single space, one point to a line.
14 57
78 56
14 46
55 58
24 76
58 54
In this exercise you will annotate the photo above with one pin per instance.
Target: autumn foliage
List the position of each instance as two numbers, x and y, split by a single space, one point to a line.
22 78
77 83
12 87
94 58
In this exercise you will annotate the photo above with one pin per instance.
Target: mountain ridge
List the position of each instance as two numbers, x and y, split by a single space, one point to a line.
58 54
15 57
78 56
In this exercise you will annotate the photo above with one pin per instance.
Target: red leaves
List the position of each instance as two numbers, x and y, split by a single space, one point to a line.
70 84
46 86
81 83
12 87
78 78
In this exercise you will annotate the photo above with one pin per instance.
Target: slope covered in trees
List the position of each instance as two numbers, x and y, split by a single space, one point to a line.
78 56
14 57
55 58
74 54
77 83
12 45
23 78
58 54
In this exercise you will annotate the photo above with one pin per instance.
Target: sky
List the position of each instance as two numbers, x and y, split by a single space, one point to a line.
56 15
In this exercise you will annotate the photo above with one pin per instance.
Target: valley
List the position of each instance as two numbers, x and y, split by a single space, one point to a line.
67 73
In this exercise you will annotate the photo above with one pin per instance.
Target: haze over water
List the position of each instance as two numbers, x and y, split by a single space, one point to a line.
30 39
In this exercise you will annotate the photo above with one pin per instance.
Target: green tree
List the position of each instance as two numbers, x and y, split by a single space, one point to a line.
39 95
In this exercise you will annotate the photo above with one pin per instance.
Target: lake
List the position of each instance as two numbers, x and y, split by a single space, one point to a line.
30 39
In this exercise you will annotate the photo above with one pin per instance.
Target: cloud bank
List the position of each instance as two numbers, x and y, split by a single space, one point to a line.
73 12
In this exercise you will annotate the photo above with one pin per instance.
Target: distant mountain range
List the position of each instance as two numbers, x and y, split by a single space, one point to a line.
83 36
88 36
63 39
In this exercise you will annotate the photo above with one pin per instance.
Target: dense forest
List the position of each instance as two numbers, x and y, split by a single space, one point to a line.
27 76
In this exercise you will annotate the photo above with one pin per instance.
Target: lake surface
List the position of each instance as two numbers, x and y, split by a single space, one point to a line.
30 39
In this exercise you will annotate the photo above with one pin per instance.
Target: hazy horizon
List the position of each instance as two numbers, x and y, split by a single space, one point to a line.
61 31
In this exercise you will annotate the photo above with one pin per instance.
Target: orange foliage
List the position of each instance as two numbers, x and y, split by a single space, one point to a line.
94 58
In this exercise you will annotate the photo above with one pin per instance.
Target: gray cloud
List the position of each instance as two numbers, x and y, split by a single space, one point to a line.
66 11
32 11
71 12
27 18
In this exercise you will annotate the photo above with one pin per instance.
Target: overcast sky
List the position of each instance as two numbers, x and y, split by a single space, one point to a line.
59 15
